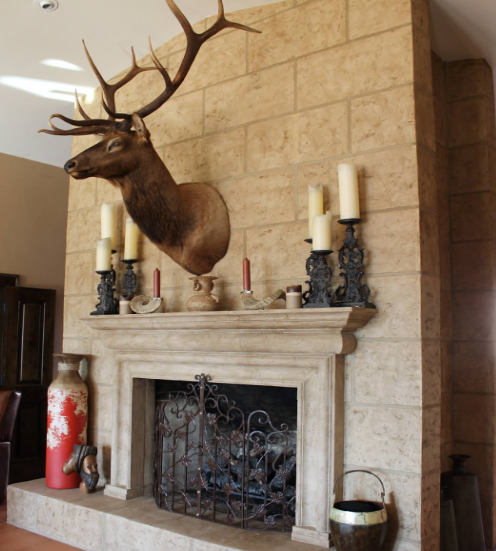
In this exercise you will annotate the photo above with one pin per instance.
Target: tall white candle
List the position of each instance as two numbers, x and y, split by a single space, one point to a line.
131 242
108 223
103 255
315 205
349 202
322 235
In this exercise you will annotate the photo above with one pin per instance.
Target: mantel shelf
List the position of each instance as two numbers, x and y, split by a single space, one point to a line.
339 319
312 332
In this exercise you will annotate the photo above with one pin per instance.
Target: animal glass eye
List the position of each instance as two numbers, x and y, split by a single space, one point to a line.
114 144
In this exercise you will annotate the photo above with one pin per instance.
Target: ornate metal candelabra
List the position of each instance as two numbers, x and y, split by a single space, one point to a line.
108 305
353 292
319 294
129 279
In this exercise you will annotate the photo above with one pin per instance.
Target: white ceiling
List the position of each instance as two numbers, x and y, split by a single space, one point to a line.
464 29
29 35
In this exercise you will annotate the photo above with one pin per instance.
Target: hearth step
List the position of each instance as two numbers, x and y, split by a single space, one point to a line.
96 522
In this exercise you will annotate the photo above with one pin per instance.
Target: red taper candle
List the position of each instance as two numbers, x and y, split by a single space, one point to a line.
246 275
156 283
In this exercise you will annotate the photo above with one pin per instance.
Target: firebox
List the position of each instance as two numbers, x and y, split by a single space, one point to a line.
226 453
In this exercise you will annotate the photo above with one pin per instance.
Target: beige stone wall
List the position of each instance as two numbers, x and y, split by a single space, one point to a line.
471 140
444 237
261 117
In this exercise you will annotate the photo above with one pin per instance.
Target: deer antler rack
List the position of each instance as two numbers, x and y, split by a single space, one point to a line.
122 121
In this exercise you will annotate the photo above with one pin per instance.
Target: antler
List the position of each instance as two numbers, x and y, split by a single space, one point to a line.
122 121
194 42
99 126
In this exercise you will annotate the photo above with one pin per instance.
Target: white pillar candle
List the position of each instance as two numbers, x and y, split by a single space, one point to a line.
349 203
103 255
322 237
131 242
108 223
315 205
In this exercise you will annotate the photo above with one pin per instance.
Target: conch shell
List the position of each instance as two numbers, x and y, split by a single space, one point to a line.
142 304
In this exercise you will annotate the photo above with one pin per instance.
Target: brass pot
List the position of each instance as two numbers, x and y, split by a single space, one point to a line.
358 525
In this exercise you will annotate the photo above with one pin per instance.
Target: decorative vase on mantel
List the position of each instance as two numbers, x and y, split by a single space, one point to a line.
67 420
202 300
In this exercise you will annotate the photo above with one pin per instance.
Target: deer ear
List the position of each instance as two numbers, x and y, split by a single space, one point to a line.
139 126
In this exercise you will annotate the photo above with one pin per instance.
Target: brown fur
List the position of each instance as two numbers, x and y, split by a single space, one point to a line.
188 222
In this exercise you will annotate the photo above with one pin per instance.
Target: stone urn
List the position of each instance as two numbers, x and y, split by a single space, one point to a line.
202 299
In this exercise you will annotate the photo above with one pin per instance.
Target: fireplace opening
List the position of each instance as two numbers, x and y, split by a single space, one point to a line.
226 453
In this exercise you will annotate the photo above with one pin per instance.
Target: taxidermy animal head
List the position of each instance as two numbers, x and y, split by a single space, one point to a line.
188 222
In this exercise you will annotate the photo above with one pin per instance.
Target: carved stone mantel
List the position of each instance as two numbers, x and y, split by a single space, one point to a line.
303 349
308 332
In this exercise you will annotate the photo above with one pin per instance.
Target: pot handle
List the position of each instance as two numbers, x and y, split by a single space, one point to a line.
383 493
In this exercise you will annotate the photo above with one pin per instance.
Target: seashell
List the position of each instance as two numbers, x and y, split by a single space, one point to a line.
251 303
146 305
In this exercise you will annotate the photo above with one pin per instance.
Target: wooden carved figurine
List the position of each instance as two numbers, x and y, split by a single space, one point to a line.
188 222
82 461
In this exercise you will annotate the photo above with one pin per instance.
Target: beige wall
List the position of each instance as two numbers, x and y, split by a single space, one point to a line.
33 218
261 117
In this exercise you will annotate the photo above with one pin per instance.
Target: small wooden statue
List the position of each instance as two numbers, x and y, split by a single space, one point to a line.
83 462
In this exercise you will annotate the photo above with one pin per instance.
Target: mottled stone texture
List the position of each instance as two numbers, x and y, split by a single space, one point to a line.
261 117
97 522
465 134
444 243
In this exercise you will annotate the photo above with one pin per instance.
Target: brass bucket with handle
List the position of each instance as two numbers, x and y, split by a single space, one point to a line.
358 525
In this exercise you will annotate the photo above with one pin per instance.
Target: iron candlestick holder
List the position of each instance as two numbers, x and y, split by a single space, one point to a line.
319 294
129 278
108 305
353 292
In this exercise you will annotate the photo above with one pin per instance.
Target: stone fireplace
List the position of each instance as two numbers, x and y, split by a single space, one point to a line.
277 348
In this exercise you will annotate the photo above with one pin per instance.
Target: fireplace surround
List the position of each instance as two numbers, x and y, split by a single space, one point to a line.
300 349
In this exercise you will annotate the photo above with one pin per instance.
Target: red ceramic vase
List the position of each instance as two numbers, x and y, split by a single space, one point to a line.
67 420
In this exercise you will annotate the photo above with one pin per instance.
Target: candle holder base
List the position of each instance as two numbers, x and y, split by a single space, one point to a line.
319 294
108 305
129 278
353 293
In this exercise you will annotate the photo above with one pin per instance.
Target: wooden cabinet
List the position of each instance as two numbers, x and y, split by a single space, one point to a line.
26 345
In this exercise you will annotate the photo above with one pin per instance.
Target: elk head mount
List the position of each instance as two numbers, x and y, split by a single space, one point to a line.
188 222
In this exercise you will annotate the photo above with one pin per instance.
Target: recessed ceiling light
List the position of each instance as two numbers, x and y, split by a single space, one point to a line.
47 5
61 64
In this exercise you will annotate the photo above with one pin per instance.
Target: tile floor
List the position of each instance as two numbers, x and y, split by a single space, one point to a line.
17 539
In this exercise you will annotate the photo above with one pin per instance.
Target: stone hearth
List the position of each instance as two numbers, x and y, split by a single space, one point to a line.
97 522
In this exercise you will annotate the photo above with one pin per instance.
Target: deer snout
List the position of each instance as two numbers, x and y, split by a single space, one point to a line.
69 166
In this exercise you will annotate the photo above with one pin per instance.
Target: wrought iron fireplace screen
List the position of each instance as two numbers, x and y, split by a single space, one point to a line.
215 462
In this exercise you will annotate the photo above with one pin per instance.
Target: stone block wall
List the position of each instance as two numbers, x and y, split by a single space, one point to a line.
469 391
444 238
261 117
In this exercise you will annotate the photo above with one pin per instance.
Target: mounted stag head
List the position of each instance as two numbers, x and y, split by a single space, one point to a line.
188 222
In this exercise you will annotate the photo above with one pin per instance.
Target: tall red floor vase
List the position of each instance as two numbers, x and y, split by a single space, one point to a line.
67 420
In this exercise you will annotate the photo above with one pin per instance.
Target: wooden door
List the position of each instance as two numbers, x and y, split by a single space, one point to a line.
26 366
